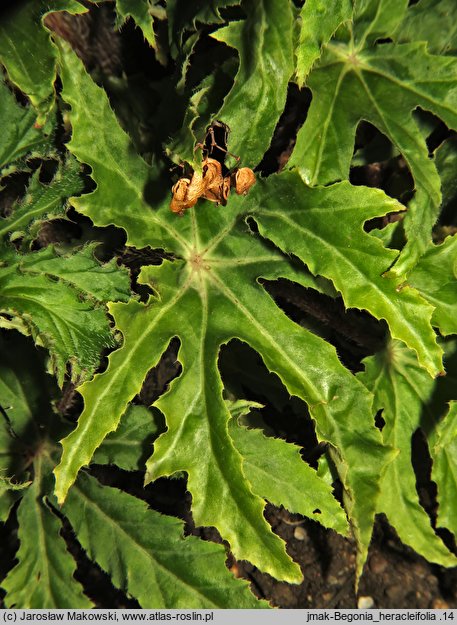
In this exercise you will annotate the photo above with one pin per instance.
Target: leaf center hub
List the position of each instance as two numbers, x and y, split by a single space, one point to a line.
197 262
352 60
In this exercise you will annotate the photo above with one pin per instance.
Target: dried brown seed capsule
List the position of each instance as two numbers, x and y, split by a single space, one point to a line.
244 180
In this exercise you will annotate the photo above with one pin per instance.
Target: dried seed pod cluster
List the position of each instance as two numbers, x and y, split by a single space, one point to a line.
211 184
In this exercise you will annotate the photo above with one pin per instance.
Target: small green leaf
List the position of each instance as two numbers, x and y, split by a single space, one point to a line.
129 446
403 390
20 137
264 41
318 22
147 556
27 52
277 473
241 407
9 493
207 296
43 577
435 277
6 483
443 449
43 201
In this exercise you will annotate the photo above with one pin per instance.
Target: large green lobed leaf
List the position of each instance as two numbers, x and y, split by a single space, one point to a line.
357 79
223 297
210 295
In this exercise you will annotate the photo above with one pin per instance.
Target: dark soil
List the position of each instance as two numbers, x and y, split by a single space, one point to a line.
394 576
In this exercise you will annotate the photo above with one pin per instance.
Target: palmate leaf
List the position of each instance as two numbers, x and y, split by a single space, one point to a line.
27 52
197 440
58 310
146 555
404 392
357 79
264 41
43 576
443 449
211 294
